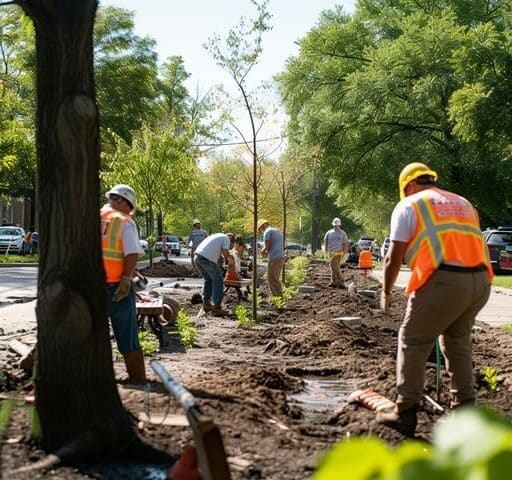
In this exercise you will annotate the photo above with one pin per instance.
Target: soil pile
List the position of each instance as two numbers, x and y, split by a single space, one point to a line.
268 387
166 268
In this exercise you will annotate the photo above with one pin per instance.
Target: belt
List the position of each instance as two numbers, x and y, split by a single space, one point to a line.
457 269
112 284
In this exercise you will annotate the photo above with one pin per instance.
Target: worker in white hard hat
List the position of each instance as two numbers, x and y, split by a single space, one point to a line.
438 234
121 251
336 248
197 235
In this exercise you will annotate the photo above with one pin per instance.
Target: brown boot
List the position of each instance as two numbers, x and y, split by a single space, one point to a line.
207 306
219 311
401 420
135 367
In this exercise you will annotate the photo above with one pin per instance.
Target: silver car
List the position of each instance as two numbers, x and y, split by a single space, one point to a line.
11 239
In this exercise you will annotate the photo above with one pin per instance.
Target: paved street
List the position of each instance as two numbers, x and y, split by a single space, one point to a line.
497 311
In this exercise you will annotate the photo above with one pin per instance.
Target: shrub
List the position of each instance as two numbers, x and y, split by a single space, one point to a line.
473 444
187 332
243 318
148 345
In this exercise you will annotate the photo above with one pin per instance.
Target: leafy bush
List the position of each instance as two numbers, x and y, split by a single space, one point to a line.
4 258
490 378
507 328
6 408
187 332
243 317
472 443
148 346
297 273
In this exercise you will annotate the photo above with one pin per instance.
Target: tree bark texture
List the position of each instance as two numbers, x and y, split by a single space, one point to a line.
75 387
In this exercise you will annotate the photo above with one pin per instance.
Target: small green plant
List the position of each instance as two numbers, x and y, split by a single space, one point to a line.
243 318
507 328
279 302
258 299
187 332
490 378
6 408
475 443
147 344
297 273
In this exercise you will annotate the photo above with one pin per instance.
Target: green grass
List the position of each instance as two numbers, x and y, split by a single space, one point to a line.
18 258
504 281
507 328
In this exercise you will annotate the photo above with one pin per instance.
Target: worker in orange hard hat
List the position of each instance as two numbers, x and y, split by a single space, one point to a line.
438 233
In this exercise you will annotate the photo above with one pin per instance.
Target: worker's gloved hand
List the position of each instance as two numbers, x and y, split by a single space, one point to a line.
186 468
123 289
385 302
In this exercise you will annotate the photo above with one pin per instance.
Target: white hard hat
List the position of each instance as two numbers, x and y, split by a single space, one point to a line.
123 191
336 221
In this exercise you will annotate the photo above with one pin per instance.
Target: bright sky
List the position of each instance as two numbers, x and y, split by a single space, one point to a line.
182 27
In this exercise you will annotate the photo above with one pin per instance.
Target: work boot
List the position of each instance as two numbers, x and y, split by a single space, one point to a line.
207 306
219 311
404 421
135 367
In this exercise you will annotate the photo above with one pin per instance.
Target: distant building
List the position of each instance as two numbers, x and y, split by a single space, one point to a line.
16 211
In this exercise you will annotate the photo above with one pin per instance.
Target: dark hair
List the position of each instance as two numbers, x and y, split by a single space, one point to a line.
426 180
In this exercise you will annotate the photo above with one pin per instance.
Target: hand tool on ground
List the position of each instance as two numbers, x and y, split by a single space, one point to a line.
207 437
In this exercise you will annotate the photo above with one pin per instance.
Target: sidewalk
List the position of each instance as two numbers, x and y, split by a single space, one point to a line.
497 311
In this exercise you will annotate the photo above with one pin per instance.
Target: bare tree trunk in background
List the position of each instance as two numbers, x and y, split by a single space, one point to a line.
76 395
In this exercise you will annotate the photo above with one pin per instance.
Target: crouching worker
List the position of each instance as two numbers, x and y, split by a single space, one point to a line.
121 251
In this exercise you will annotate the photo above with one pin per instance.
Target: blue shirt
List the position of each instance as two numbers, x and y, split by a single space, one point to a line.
274 236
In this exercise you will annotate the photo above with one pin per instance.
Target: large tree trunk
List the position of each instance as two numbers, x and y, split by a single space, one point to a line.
75 388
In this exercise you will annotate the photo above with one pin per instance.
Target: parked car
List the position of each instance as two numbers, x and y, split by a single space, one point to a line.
144 244
499 243
295 249
173 243
11 239
384 247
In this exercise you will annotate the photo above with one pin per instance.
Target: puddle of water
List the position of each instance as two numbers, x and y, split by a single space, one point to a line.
322 396
131 471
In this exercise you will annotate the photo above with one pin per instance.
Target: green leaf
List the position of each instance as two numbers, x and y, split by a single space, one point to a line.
471 435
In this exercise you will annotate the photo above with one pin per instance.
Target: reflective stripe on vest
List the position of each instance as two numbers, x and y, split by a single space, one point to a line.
111 244
457 240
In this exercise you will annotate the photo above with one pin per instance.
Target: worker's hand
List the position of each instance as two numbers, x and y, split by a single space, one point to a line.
123 289
264 252
385 302
186 467
230 260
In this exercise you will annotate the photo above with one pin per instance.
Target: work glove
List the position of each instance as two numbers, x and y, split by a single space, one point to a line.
123 289
385 302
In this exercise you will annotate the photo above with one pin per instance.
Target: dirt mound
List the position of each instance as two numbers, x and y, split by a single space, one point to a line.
167 268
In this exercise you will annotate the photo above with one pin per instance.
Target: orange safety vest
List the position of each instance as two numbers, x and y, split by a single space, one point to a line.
447 231
112 222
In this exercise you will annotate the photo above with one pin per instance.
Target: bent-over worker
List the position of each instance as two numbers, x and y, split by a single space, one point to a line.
207 256
121 251
438 234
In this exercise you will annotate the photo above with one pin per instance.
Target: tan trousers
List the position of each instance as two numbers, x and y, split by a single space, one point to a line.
446 306
335 263
274 269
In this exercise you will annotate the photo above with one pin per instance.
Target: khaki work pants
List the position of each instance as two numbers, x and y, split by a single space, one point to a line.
446 306
335 259
274 269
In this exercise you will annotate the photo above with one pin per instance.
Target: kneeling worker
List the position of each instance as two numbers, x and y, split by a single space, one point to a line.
121 251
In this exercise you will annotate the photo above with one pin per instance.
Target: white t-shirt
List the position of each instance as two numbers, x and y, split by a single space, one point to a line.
130 239
403 220
211 247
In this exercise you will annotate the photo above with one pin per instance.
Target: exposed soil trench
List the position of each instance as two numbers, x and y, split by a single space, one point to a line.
274 390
